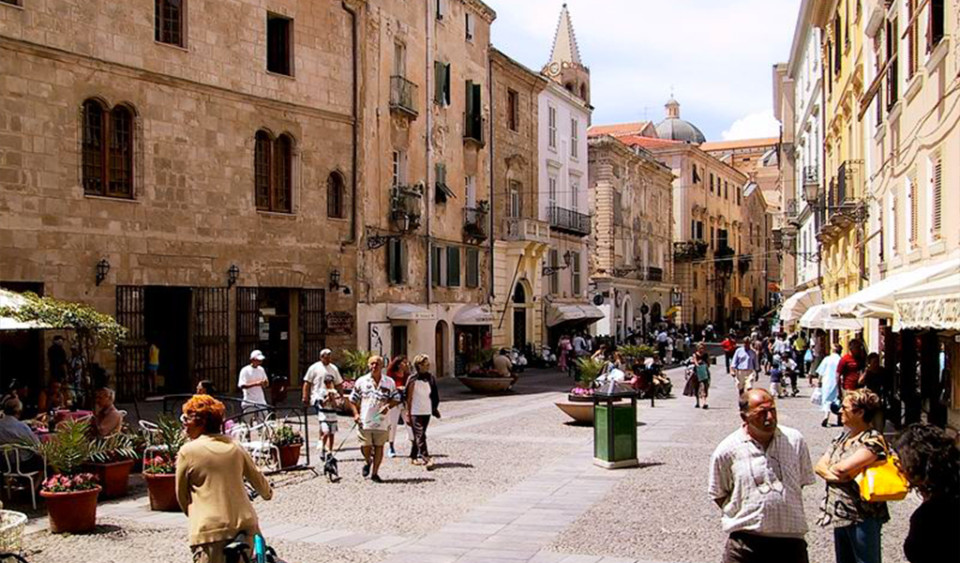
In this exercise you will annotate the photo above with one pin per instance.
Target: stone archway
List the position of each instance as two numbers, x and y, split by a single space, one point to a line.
627 316
520 305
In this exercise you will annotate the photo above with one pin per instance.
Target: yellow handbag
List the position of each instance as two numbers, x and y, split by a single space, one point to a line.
883 481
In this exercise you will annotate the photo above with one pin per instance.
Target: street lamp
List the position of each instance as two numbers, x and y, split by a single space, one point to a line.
811 193
233 273
103 268
335 283
567 260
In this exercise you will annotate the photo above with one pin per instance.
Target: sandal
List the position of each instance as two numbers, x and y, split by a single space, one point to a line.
416 462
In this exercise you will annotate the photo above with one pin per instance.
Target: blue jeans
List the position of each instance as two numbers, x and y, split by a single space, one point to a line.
859 543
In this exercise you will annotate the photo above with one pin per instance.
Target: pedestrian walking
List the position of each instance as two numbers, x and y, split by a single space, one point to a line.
253 378
563 347
776 375
829 383
744 365
931 462
321 392
790 370
701 361
729 346
422 402
757 474
856 523
211 469
579 346
398 371
372 398
851 365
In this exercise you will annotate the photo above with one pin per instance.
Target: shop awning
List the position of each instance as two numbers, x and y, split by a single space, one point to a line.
473 315
798 304
742 301
933 305
821 316
877 301
13 300
581 313
409 312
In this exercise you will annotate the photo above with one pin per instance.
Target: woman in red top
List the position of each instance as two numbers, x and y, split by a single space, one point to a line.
398 370
851 366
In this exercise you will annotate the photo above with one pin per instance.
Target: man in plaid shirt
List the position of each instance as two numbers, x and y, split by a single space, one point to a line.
375 395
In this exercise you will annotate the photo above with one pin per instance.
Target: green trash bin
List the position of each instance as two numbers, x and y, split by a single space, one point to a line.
615 426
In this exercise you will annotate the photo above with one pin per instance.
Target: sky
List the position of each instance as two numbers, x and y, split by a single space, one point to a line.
716 56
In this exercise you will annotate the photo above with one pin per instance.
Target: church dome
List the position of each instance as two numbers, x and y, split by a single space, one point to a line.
676 129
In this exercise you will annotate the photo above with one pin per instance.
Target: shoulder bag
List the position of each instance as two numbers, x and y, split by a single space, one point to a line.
883 481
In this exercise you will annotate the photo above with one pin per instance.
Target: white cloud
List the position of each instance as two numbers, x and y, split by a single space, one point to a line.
753 126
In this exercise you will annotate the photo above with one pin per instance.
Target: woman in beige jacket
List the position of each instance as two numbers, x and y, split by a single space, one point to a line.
211 469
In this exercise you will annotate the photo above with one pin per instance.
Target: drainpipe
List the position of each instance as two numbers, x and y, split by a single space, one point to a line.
490 154
428 201
355 113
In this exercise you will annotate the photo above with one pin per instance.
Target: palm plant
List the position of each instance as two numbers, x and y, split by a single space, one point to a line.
69 448
355 362
114 448
588 370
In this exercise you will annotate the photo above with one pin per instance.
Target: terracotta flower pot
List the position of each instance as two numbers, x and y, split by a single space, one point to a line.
162 489
72 513
114 477
289 455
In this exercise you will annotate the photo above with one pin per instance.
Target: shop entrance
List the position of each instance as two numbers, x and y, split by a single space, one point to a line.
167 325
21 351
519 317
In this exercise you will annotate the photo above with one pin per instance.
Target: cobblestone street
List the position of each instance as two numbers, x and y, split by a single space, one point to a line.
513 482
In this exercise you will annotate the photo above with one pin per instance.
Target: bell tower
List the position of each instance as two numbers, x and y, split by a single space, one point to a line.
565 67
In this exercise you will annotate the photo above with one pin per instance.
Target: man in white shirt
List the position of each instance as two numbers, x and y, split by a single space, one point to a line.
313 380
375 395
579 346
253 378
757 475
15 432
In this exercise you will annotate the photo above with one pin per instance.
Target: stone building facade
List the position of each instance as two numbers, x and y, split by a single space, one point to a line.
205 159
521 238
631 202
424 257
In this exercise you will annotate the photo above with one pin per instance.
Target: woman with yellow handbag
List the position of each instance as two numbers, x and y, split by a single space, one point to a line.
856 522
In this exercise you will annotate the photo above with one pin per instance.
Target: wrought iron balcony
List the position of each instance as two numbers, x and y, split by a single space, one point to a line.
473 128
723 260
639 272
406 206
403 96
475 222
743 263
570 221
654 274
690 250
520 229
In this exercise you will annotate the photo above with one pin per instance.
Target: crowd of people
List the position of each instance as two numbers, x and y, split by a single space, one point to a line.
757 473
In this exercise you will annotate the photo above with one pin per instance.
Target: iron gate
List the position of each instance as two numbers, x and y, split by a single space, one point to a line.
211 337
132 352
312 317
248 324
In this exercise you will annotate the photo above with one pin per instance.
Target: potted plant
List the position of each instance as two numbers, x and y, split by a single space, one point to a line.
355 364
289 442
588 370
160 467
480 359
111 461
71 494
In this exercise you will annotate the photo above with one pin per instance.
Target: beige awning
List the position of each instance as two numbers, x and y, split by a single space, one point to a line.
877 301
409 312
797 304
473 315
821 316
562 313
742 301
933 305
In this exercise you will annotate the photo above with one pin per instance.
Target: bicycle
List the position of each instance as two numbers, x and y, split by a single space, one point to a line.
237 551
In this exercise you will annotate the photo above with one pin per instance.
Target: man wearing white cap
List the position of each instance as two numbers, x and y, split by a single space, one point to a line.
314 388
253 378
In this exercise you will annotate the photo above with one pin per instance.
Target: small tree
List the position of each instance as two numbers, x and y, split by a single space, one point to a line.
355 363
93 330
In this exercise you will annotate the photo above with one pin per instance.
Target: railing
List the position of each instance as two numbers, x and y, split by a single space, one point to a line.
689 250
743 263
520 229
475 222
406 206
723 260
403 95
473 128
654 274
569 220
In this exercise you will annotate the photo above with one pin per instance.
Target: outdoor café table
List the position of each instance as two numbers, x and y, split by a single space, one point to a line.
63 414
44 435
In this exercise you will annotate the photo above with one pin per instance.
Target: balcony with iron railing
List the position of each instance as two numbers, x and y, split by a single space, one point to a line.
473 126
475 222
689 251
406 207
568 220
403 96
639 272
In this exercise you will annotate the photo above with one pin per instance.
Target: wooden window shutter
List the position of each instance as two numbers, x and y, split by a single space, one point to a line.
404 261
936 215
436 260
914 205
439 75
895 219
473 267
469 100
453 266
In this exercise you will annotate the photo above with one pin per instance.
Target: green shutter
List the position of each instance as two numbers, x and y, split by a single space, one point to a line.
391 261
436 253
473 267
438 75
477 100
468 106
402 273
453 266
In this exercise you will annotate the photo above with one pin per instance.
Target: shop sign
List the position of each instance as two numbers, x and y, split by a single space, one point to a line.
339 322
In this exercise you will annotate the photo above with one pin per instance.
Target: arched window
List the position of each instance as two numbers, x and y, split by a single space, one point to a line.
262 152
107 150
335 196
273 172
94 131
121 153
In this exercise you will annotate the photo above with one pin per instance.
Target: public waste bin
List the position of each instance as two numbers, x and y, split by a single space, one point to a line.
615 426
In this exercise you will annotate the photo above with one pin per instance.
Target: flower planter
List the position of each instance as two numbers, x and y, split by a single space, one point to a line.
289 455
114 477
487 384
580 412
163 491
72 513
573 398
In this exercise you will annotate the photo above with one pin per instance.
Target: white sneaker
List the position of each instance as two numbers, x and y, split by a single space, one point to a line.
391 452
